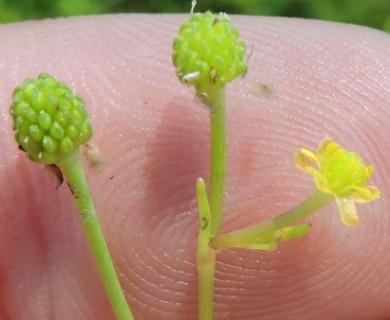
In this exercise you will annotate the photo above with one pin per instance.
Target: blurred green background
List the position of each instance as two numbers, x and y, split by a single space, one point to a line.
373 13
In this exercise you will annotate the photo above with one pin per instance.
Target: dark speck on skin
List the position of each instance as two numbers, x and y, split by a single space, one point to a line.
267 90
264 90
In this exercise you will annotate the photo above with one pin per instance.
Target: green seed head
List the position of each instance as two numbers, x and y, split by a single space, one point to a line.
207 53
50 121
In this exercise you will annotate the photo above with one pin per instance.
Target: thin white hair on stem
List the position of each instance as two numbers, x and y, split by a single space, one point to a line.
251 49
190 77
193 4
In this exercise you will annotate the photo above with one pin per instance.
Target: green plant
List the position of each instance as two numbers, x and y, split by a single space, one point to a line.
207 54
50 124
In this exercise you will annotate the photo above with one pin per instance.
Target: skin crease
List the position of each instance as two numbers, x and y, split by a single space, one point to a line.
306 79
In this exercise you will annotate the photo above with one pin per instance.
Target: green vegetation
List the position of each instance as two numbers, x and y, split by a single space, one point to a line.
208 54
373 13
50 124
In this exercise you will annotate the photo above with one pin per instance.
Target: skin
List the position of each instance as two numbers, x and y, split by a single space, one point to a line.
306 79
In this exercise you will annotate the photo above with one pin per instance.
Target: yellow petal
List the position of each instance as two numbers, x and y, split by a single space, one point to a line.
321 182
364 194
370 171
347 210
307 162
304 159
324 143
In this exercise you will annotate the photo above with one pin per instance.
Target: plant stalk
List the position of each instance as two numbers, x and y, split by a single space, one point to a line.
73 171
213 205
218 165
246 235
205 258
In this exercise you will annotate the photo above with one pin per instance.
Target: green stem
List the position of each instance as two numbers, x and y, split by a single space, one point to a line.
210 209
73 171
205 259
243 236
216 99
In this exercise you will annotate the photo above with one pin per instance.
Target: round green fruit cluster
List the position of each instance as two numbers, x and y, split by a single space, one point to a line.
50 121
207 52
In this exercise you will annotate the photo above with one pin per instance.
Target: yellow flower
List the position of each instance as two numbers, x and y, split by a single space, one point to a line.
341 173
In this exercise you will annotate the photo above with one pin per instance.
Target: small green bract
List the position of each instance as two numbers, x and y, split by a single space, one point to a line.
207 53
50 121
